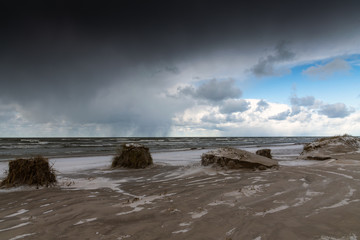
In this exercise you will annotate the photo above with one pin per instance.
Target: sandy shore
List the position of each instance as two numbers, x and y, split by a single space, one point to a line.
320 201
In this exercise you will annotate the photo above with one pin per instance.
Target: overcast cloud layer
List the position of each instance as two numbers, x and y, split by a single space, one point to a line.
171 68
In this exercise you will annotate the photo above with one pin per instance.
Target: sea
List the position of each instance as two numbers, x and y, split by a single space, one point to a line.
13 148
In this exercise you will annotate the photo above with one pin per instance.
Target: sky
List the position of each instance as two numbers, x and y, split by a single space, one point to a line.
179 69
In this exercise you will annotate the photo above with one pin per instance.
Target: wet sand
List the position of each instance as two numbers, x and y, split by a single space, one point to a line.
319 201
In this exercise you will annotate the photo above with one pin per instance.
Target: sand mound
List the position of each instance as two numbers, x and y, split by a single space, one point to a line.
233 158
32 171
264 153
329 147
132 156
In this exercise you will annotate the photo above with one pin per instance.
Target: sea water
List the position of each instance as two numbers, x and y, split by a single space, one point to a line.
11 148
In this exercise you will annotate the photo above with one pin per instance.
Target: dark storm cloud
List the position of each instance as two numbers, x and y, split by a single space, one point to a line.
59 58
211 118
337 110
215 90
266 66
323 71
212 90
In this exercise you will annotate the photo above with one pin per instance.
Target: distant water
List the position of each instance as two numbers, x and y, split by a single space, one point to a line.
11 148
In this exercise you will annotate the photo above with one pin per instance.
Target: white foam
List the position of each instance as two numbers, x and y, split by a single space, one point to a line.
141 201
48 211
345 201
273 210
85 221
198 214
21 211
247 191
231 231
185 224
216 203
279 193
22 236
123 237
181 231
301 201
350 237
14 227
137 209
45 205
340 174
313 194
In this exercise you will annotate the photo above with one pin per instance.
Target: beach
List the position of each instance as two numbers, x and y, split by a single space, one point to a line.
179 199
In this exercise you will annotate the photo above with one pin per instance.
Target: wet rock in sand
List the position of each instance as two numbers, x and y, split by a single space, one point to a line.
232 158
132 156
264 153
318 157
330 147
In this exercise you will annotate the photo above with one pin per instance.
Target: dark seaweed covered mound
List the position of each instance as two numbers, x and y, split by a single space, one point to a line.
264 153
32 171
132 156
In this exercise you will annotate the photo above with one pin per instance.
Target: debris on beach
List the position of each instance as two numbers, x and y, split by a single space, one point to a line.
232 158
264 153
31 171
330 147
132 156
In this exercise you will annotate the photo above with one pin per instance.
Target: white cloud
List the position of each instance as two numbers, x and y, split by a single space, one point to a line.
280 116
337 110
275 120
262 105
234 105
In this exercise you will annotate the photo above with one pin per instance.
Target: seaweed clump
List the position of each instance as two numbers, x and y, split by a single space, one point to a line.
31 171
132 156
264 153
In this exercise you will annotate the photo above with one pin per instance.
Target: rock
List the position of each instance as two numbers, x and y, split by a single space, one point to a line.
330 147
132 156
232 158
264 153
318 157
32 171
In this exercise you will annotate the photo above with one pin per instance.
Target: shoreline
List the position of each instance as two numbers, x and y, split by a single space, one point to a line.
177 198
187 202
176 158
